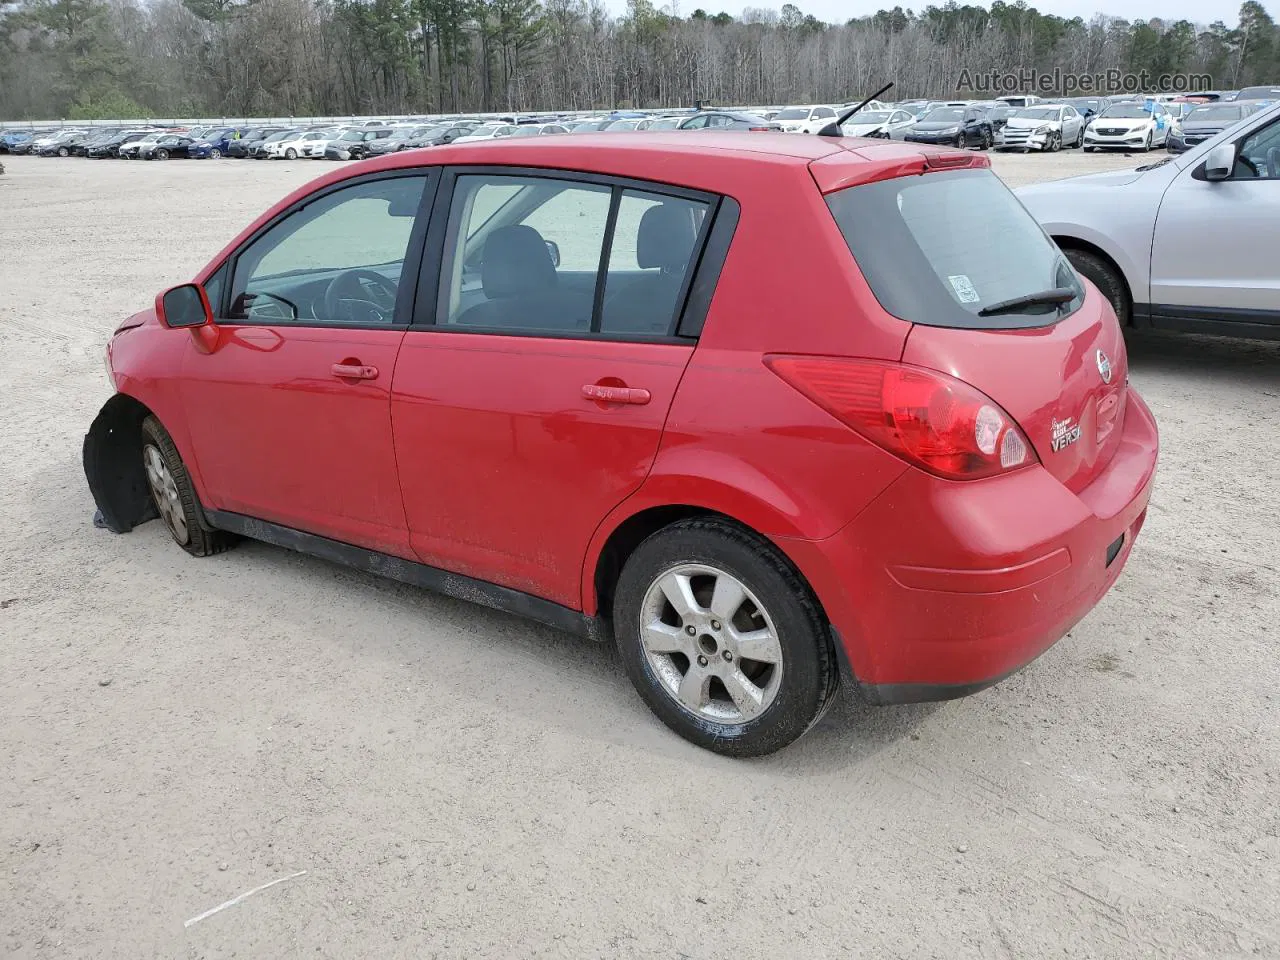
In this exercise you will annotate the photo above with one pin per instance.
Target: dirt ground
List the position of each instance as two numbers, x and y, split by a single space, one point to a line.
459 783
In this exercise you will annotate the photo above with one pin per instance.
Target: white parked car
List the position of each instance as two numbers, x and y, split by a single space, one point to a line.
130 150
1186 243
882 124
805 119
1018 99
1044 126
290 148
314 149
1130 125
539 129
488 131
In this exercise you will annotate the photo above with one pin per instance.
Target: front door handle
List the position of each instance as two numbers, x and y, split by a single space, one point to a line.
604 394
354 371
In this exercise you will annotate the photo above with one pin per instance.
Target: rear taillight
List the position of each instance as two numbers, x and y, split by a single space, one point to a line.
929 419
758 129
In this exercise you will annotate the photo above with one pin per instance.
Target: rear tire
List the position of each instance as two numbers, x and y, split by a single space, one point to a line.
1106 278
758 669
174 496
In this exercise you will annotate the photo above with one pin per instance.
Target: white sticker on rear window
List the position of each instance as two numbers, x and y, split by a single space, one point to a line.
963 288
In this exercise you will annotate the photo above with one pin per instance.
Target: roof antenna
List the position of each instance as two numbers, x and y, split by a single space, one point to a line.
833 129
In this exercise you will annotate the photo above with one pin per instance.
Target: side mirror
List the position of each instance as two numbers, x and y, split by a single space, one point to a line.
1220 162
184 306
553 248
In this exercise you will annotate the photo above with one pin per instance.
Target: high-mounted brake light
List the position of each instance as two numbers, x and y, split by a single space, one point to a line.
936 422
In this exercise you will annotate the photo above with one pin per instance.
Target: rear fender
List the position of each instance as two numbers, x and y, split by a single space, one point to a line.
762 507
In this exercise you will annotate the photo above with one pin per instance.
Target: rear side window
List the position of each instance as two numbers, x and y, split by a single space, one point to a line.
560 257
938 249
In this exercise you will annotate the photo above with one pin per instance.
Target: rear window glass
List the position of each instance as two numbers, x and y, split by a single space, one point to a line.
938 249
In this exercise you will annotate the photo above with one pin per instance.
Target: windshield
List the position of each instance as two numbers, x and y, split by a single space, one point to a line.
352 135
527 131
282 135
1126 111
951 114
938 248
1037 113
1222 113
793 113
870 116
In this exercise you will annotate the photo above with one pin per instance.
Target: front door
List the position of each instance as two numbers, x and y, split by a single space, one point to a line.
533 399
289 404
1214 252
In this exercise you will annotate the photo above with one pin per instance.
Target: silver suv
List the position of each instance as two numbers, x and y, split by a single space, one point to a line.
1189 243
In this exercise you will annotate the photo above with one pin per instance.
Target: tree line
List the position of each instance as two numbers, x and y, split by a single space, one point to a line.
92 59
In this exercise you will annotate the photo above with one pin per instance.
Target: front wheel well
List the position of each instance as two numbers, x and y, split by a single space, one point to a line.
1084 246
113 464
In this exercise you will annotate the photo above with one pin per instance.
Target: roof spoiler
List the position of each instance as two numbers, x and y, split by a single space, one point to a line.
833 129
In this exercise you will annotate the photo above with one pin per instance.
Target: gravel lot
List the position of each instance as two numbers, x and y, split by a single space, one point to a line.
458 783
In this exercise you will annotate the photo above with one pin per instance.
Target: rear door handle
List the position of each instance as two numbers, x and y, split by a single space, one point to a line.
633 395
354 371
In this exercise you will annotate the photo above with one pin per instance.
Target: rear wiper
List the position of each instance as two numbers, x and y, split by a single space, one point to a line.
1056 295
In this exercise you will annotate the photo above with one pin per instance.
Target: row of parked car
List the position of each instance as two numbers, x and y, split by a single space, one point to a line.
1014 122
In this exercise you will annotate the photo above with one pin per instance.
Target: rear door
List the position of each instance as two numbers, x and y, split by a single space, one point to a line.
533 388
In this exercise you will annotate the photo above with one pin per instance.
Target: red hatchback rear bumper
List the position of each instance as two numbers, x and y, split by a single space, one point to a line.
941 588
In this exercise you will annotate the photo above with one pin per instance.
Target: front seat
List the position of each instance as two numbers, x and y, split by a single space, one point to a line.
520 282
645 304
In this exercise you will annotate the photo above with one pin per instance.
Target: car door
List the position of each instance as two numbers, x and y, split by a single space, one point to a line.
289 405
1214 252
1070 125
533 387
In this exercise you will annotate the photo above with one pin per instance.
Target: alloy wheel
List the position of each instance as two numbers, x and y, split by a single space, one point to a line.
711 644
164 492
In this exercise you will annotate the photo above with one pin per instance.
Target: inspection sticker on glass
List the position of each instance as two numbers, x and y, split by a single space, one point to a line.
963 288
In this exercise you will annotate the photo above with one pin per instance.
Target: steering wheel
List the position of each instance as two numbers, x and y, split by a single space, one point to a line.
360 296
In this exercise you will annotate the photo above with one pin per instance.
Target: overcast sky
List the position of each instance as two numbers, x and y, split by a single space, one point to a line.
1202 12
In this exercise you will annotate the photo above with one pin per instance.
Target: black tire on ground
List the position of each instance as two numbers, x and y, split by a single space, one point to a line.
1106 278
809 667
196 540
291 154
215 154
1055 142
961 141
1080 136
162 154
64 152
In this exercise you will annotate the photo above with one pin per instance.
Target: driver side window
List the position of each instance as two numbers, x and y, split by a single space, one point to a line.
336 261
1259 156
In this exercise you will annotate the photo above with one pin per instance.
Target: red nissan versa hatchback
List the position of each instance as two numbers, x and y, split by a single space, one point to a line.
768 411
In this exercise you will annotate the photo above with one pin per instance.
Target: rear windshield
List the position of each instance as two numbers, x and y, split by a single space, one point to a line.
937 249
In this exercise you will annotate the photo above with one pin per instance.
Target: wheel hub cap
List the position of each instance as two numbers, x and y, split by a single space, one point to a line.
165 493
711 644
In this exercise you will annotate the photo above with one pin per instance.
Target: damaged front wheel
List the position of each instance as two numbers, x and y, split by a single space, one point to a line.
173 494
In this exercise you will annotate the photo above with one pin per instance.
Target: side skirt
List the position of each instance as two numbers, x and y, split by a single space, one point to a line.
416 574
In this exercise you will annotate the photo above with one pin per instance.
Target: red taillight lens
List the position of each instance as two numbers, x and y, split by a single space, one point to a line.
934 421
758 129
